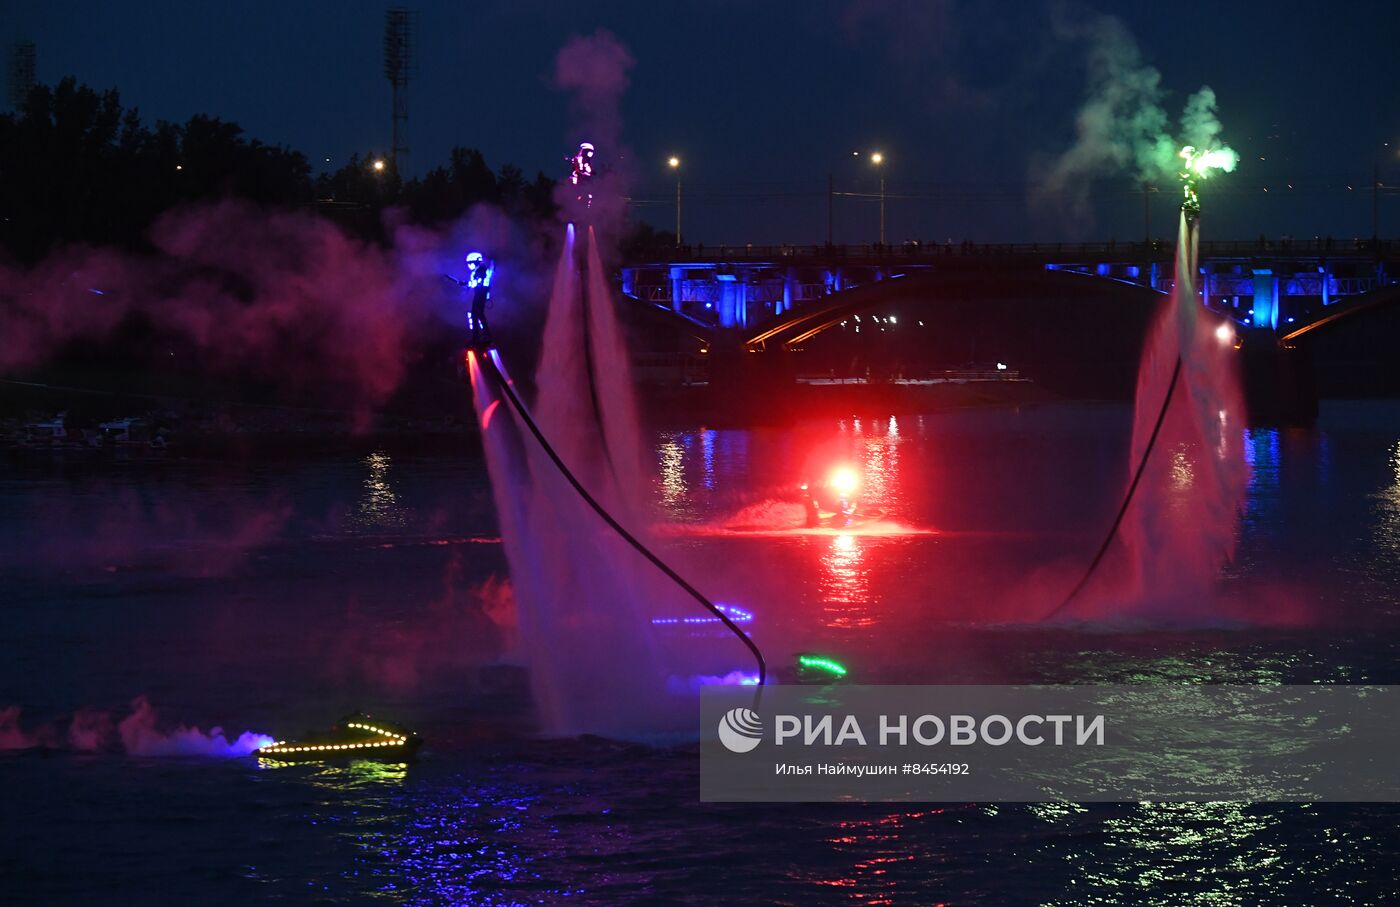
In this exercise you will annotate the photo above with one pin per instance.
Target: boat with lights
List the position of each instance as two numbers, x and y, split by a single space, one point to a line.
357 736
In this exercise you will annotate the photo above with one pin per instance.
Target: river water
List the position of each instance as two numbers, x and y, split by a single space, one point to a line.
279 596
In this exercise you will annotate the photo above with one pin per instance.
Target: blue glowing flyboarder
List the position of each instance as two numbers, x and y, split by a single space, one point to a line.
478 284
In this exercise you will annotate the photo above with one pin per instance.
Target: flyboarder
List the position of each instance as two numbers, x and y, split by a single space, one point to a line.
582 175
1191 202
478 283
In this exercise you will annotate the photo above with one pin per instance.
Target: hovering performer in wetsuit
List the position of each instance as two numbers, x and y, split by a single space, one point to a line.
478 283
1191 202
582 176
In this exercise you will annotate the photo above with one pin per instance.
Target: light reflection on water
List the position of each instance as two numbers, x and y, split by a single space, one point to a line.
672 465
379 506
1388 501
1187 853
844 586
880 467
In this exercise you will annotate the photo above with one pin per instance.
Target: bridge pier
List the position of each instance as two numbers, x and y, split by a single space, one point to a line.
677 275
1265 315
1279 385
749 383
733 300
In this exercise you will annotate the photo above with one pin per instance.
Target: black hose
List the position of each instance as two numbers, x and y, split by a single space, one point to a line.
617 527
1128 498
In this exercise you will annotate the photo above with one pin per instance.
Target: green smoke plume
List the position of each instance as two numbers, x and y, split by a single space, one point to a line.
1123 126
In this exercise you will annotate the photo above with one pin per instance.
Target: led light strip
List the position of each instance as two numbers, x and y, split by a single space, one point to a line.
738 615
277 748
822 664
374 730
394 740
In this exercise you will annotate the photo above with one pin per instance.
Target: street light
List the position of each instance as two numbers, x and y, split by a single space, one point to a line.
675 164
379 165
878 160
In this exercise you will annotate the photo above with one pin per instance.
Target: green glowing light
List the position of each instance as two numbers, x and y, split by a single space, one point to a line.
820 663
1199 164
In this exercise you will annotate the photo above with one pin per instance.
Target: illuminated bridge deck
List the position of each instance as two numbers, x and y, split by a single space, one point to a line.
1278 284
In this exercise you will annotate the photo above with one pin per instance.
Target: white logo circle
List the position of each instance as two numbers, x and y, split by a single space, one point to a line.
740 730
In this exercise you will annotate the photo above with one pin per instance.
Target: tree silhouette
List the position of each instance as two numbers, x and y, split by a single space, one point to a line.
77 167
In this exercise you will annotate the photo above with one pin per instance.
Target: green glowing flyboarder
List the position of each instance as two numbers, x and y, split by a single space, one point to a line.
1198 166
1191 202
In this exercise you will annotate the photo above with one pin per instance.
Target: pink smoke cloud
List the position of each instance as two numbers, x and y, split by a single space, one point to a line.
282 298
594 70
138 734
92 731
12 736
200 534
141 736
460 627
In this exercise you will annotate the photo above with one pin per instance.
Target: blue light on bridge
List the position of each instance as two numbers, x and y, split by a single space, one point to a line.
1265 309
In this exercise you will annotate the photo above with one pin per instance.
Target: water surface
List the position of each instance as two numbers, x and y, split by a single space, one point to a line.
280 595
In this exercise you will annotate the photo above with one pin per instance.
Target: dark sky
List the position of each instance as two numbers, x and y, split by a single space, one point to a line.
762 100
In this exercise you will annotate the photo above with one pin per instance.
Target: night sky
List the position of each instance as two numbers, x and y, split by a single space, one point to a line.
763 100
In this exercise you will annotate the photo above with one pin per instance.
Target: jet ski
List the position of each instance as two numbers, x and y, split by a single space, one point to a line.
357 736
832 503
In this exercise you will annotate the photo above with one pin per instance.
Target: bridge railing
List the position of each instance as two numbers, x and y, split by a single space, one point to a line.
1051 251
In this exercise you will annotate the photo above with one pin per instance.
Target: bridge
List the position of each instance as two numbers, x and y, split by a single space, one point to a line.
1315 317
759 292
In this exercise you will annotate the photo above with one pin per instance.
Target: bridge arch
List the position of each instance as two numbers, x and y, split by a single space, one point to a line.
1077 334
934 288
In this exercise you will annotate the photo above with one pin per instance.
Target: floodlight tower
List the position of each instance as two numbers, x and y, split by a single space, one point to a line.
21 73
399 27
